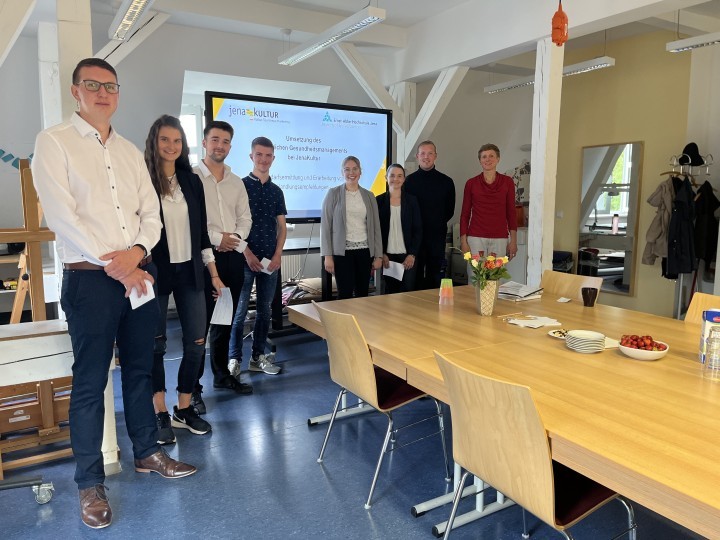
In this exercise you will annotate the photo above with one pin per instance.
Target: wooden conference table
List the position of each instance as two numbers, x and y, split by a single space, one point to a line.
649 430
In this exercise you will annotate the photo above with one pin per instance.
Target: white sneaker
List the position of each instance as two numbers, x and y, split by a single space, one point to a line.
264 363
234 367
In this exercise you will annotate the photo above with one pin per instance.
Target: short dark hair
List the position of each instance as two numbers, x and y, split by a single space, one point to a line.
218 124
394 166
92 62
262 141
489 146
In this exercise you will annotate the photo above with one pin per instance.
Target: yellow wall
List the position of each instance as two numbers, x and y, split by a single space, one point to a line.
643 98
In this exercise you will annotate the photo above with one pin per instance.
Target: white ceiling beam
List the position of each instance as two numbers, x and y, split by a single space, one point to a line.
370 83
14 14
115 51
279 16
434 106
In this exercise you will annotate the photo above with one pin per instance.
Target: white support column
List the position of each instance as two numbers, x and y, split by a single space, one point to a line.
405 95
545 130
437 101
48 64
74 44
13 16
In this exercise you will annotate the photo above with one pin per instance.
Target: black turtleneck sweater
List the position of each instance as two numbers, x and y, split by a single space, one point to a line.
435 194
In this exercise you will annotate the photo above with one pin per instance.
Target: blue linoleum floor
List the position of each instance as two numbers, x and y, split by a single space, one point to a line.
259 477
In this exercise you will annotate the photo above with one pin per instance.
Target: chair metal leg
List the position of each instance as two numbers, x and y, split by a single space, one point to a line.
456 502
438 405
330 425
382 455
632 525
525 533
567 535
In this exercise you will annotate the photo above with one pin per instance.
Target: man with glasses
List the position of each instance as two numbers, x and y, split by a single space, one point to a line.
262 256
98 199
435 193
229 222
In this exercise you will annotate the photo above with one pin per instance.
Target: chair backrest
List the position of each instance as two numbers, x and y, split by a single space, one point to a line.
568 285
351 364
700 302
498 436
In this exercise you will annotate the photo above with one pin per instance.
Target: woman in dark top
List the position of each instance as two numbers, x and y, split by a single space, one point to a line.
401 229
183 249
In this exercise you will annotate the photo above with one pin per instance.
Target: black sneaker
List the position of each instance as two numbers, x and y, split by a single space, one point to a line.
165 434
190 420
196 401
230 383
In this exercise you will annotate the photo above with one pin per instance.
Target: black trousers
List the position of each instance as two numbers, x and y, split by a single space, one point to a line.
231 269
429 271
352 273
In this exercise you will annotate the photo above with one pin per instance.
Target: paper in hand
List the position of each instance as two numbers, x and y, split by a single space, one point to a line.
223 312
241 246
395 270
265 263
136 300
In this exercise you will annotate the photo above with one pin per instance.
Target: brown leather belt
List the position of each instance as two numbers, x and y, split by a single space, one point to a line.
84 265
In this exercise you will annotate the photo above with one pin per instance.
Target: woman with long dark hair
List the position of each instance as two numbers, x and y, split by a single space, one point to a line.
183 249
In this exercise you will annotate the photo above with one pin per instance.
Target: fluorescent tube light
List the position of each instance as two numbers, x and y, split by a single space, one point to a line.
574 69
355 23
128 15
693 42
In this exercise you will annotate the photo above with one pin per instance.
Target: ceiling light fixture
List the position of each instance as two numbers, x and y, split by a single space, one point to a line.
128 15
696 42
355 23
574 69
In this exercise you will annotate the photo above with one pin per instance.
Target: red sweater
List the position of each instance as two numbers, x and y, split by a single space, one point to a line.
488 210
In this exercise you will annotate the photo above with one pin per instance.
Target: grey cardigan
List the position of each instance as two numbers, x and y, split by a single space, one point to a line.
332 228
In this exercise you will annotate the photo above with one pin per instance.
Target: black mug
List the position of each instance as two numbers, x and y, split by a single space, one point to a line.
589 295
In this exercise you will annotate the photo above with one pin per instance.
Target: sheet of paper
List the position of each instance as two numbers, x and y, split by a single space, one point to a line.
395 270
137 300
535 322
223 312
563 299
265 263
241 246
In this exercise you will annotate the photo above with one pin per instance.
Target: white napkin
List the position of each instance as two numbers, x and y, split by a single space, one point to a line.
223 311
535 322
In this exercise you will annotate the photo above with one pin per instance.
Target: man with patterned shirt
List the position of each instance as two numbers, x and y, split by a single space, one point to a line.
262 257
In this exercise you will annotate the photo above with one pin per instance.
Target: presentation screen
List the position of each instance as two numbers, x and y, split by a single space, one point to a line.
311 140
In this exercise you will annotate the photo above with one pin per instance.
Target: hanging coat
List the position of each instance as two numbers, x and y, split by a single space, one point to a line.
656 236
681 234
706 224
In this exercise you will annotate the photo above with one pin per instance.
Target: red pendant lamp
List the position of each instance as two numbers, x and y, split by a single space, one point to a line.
559 26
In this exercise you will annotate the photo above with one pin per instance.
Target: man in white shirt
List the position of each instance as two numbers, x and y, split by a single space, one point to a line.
98 199
229 223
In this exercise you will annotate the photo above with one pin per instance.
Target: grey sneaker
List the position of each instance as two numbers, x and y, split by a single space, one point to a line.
234 367
264 363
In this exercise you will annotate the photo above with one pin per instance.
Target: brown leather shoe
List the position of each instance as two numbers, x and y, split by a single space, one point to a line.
164 465
94 507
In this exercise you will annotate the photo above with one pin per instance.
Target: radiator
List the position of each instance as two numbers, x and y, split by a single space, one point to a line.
290 266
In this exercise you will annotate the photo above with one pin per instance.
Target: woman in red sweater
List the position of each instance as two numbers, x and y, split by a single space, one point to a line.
488 222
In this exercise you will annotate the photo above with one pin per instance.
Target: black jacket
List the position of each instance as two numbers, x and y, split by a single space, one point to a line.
435 194
195 197
681 236
410 220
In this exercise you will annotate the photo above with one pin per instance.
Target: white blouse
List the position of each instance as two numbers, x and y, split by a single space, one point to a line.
177 225
396 242
355 218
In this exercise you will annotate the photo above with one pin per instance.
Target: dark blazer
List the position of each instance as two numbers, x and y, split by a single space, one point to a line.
195 197
410 221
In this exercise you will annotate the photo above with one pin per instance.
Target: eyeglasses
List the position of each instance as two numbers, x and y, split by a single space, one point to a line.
94 86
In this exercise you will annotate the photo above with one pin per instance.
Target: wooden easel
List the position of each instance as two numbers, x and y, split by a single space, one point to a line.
30 264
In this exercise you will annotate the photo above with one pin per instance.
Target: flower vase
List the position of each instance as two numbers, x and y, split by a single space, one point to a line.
485 298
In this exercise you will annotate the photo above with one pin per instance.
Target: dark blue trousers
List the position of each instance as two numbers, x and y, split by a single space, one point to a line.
98 316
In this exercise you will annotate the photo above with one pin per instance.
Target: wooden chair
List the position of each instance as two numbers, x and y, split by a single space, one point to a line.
498 436
700 302
568 285
351 367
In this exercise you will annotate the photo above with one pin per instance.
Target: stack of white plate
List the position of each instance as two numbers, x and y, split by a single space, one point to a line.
585 341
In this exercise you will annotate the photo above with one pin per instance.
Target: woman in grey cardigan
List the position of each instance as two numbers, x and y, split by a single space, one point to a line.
350 233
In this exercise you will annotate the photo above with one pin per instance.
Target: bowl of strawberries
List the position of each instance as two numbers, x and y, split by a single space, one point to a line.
642 347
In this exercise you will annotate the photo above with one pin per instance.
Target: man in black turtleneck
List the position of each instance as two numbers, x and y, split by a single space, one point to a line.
435 193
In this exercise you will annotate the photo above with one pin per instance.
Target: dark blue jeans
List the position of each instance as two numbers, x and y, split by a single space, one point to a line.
98 316
190 304
264 291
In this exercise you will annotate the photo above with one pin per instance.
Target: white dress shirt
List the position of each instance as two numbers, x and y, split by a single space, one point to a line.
96 198
226 200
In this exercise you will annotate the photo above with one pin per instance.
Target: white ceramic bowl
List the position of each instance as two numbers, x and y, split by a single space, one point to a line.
639 354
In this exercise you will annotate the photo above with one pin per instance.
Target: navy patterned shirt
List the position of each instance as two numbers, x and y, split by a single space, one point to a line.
266 203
